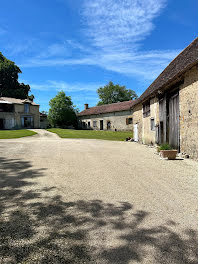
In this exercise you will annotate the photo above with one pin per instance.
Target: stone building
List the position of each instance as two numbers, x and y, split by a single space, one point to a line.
17 113
114 117
43 121
168 110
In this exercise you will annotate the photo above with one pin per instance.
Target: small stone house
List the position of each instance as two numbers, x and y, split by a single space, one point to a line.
167 112
113 117
43 121
17 113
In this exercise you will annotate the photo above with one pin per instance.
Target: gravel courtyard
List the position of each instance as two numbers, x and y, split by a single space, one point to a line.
92 201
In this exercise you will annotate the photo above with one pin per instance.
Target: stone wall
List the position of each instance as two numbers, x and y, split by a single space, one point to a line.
13 119
117 120
33 111
148 135
137 119
189 113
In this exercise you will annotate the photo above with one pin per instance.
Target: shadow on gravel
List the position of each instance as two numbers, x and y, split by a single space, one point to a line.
38 227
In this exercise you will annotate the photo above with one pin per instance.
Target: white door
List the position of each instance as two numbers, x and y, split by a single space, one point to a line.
135 131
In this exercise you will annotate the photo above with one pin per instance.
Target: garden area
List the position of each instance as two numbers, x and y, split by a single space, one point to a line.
92 134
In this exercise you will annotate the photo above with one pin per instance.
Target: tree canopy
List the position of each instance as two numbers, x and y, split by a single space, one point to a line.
9 85
113 93
62 112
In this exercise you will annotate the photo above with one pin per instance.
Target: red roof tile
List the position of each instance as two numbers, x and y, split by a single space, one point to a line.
108 108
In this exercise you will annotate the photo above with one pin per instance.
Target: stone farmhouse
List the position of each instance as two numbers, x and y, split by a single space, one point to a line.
114 117
17 113
168 110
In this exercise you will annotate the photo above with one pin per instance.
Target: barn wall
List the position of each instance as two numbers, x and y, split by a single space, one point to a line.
117 119
148 135
189 113
137 119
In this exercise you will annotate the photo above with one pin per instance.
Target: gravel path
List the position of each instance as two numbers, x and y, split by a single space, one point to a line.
93 201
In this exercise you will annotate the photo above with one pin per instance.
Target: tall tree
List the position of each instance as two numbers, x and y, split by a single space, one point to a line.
113 93
9 85
62 112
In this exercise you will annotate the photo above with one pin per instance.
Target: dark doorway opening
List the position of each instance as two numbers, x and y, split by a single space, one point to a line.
101 124
1 124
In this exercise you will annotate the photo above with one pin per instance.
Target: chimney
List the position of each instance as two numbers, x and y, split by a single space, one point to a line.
86 106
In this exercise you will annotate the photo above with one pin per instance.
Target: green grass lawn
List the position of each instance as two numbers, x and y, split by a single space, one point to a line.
5 134
91 134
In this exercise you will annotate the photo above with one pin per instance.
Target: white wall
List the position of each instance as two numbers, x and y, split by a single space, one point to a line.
117 119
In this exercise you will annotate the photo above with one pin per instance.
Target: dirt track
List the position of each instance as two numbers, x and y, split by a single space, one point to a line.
94 201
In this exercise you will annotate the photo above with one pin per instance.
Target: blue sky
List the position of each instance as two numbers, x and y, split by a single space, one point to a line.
80 45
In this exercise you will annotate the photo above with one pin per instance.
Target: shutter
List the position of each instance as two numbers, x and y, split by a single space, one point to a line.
127 121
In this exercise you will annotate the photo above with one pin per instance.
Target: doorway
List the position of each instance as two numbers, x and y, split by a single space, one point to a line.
174 121
1 123
135 130
101 124
27 121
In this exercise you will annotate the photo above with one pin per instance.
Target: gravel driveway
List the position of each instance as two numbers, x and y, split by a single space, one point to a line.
92 201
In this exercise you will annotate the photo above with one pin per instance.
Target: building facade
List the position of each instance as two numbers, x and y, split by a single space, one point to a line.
113 117
167 112
17 113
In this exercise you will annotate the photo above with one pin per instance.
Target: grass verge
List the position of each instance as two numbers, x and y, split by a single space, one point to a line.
6 134
91 134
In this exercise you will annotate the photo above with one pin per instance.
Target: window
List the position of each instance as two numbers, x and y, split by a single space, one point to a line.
94 123
27 108
152 124
129 121
146 109
89 124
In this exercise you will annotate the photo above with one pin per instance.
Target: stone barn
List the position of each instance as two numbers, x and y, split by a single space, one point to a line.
113 117
167 112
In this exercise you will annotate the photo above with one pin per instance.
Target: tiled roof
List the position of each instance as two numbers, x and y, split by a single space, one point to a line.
183 62
108 108
16 101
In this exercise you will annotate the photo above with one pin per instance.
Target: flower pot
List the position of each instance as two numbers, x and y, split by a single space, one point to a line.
170 154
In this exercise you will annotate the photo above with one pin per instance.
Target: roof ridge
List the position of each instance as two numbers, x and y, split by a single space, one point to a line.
165 79
111 104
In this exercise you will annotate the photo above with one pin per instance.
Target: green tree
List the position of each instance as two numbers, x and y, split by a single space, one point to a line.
9 85
113 93
62 112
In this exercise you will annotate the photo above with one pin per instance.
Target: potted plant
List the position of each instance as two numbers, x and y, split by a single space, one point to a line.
166 151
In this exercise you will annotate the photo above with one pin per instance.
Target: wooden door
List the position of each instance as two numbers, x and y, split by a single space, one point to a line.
174 121
162 119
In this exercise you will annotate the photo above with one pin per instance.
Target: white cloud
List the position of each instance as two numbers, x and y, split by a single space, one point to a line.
117 24
115 31
52 85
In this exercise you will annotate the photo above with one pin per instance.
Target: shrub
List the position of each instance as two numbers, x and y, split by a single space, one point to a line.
165 146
